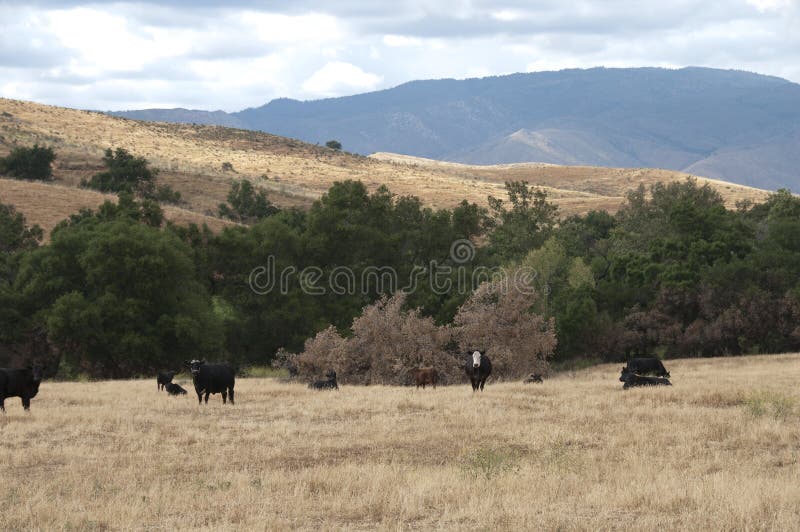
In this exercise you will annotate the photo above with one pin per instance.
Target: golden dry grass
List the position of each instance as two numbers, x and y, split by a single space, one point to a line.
190 158
47 204
717 451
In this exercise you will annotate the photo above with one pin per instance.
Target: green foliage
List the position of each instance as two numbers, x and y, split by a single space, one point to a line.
165 194
523 227
29 163
334 145
124 173
15 235
245 204
118 297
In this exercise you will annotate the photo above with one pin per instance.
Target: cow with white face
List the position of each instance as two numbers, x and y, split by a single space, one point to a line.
478 369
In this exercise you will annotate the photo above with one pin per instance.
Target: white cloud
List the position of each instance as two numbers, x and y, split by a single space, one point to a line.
396 41
104 55
337 78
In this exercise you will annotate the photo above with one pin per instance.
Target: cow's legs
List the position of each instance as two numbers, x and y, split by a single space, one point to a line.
26 403
207 394
2 406
224 397
199 398
230 394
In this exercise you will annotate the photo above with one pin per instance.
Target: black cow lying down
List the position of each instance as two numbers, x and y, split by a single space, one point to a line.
212 378
175 389
631 379
329 384
22 383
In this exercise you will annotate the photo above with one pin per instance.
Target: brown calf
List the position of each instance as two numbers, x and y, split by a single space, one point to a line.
423 376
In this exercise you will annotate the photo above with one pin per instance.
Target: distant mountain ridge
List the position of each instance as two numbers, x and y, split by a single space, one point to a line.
731 125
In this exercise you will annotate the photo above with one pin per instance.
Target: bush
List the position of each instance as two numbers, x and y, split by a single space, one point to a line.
29 163
334 145
387 343
245 204
497 318
165 194
125 173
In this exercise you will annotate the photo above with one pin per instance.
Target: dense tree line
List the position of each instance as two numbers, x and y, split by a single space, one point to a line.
118 291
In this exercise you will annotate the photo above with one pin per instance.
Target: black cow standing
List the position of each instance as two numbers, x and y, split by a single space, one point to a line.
212 378
164 377
478 369
645 365
176 389
22 383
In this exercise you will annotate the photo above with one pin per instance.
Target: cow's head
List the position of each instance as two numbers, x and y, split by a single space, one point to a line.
194 366
476 359
331 375
37 372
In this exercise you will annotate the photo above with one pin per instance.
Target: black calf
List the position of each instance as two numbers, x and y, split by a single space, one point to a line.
174 389
329 384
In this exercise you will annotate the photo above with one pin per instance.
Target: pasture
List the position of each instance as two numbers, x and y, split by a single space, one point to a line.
718 450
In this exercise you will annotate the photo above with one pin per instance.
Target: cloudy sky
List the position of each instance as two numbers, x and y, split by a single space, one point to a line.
240 53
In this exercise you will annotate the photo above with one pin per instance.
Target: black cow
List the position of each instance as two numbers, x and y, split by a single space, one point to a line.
22 383
176 389
212 378
632 379
478 368
164 377
329 384
643 366
533 377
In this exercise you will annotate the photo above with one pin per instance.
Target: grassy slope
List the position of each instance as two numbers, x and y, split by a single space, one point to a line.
718 450
190 158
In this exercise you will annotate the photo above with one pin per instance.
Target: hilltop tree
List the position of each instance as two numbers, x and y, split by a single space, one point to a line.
29 163
334 145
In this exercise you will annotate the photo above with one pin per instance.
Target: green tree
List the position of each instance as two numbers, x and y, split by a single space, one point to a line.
29 163
245 204
525 226
124 173
118 297
334 145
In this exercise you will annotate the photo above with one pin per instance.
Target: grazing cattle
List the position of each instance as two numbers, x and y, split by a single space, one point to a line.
643 366
212 378
22 383
533 377
478 369
632 379
329 384
175 389
164 377
423 376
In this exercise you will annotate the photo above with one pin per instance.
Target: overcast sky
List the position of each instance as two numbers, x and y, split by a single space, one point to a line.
238 54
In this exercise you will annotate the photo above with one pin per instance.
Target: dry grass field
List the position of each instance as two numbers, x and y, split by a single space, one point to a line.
719 450
190 159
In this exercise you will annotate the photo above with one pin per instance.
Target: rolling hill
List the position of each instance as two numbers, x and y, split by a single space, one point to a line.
190 159
731 125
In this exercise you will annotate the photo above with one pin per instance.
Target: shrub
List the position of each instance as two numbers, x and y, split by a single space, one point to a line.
334 145
497 317
29 163
125 173
387 343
